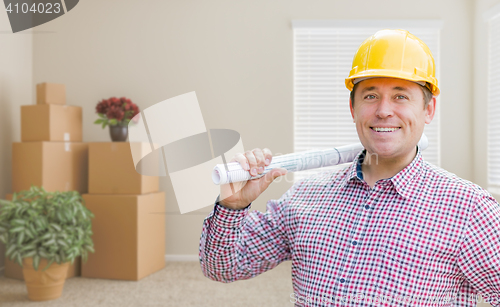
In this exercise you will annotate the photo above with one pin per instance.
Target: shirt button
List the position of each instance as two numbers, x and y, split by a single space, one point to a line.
354 243
342 280
367 207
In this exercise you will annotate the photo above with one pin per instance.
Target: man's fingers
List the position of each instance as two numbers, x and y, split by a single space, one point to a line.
279 172
268 156
252 162
241 158
271 175
259 157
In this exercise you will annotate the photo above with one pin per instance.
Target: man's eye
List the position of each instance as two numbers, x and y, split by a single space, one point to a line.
401 97
370 97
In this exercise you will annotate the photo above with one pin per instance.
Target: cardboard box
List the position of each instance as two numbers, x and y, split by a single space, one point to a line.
128 234
112 170
50 93
56 166
50 122
14 270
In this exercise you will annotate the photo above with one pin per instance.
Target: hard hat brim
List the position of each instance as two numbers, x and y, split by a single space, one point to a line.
383 73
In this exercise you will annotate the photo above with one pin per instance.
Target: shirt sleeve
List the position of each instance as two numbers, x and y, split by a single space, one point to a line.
238 244
479 257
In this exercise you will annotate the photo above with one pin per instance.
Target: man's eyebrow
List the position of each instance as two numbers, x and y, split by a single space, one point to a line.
367 89
399 88
371 88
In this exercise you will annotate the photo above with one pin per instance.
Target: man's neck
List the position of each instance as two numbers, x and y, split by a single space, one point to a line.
374 168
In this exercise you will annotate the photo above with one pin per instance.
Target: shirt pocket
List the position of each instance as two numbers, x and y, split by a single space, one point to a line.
403 268
408 256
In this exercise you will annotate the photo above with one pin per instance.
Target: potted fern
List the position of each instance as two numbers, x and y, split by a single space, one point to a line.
43 232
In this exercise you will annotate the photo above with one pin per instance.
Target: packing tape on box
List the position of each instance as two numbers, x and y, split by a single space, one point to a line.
170 137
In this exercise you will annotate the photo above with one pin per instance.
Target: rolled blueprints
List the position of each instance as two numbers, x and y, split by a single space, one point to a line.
233 172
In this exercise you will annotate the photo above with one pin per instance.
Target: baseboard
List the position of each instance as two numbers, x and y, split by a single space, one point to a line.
177 258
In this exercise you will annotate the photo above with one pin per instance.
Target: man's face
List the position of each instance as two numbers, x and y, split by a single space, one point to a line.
390 116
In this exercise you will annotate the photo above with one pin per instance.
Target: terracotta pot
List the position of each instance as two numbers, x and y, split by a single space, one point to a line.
118 133
44 285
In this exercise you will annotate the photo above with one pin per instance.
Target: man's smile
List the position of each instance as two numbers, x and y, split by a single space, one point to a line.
385 129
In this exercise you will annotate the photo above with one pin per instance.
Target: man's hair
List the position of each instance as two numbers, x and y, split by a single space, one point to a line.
425 91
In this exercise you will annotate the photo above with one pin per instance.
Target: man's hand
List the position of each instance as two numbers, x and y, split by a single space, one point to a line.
247 191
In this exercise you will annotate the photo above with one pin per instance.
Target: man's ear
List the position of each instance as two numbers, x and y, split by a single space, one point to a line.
430 110
351 108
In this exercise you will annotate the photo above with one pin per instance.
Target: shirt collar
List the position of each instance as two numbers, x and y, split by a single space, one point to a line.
400 181
352 171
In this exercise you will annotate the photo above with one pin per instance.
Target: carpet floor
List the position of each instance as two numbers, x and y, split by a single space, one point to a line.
178 284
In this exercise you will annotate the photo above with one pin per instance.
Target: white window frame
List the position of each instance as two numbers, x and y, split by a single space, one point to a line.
333 99
492 17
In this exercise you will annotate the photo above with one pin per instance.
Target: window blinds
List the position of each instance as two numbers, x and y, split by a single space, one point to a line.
494 104
323 56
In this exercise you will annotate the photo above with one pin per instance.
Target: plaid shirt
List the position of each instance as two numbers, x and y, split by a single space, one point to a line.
421 238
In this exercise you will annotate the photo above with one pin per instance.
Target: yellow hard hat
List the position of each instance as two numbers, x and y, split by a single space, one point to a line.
394 54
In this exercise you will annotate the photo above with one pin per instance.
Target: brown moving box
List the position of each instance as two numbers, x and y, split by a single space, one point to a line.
56 166
128 234
14 270
112 170
50 93
50 122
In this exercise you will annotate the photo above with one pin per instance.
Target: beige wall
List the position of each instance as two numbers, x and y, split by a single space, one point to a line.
16 53
237 56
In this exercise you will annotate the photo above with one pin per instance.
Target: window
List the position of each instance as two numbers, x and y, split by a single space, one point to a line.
494 100
323 54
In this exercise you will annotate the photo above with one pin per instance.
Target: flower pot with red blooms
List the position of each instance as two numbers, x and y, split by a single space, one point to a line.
117 114
118 133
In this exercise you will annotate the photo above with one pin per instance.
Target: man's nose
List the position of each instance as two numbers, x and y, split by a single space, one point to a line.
384 108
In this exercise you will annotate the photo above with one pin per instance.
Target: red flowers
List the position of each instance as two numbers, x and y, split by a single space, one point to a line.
115 111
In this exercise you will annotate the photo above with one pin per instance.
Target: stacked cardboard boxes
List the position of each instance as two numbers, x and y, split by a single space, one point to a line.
129 224
51 153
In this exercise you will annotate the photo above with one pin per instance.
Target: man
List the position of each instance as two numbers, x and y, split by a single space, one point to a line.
390 229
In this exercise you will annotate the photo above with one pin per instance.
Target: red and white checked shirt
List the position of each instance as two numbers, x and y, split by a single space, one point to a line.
421 238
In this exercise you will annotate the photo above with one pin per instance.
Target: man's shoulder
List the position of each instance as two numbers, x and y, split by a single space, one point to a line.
324 179
305 192
450 182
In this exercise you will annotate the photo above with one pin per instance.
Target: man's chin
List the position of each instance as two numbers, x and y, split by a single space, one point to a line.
388 152
383 151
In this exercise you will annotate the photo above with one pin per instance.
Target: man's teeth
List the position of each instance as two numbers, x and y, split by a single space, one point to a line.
385 129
